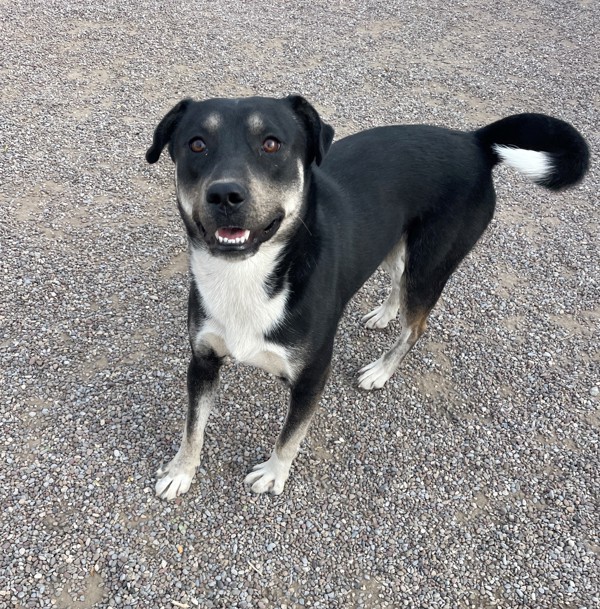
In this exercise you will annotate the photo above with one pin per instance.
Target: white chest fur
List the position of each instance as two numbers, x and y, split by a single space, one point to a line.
239 310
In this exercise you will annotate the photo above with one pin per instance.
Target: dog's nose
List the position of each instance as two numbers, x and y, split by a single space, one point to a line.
226 193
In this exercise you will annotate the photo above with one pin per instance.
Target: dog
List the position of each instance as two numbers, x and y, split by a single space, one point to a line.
284 227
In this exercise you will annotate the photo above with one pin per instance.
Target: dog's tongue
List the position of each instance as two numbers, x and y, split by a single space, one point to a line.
231 233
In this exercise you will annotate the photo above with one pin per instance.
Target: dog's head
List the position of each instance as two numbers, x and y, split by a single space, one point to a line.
242 167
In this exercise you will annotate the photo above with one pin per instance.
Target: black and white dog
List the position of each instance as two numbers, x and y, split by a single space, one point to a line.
282 235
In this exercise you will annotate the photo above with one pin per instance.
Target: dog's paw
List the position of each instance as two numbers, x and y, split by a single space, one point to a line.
375 375
269 476
175 479
380 317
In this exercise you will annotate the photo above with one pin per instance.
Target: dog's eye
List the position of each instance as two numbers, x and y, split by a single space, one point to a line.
197 145
271 145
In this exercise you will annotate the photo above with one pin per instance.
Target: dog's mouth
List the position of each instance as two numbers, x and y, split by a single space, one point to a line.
240 239
232 236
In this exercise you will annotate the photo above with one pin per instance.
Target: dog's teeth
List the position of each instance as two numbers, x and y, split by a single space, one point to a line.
236 241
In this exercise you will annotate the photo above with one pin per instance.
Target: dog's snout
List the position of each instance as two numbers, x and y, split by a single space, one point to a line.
226 193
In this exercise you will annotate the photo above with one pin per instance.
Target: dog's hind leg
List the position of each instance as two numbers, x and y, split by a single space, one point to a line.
434 249
394 264
427 270
376 374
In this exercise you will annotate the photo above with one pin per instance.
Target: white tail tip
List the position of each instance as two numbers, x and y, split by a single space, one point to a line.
532 164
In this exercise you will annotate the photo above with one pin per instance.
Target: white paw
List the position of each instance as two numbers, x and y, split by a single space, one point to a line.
375 375
175 479
380 317
269 476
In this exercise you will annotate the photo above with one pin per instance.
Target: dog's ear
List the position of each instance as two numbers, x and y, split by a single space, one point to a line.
319 134
164 131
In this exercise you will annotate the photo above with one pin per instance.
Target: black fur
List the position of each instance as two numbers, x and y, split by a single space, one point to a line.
425 188
565 145
164 131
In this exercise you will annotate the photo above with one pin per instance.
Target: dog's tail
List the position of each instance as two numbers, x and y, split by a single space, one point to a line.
547 150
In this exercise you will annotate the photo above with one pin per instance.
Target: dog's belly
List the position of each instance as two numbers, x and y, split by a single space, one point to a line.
247 349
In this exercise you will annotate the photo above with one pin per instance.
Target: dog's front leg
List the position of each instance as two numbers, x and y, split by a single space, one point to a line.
272 475
202 381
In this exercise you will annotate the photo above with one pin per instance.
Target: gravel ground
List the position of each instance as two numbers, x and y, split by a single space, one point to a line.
471 480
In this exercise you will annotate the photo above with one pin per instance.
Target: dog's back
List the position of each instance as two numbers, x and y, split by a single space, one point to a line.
420 197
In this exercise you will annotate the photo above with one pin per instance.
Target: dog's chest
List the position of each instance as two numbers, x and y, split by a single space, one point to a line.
239 310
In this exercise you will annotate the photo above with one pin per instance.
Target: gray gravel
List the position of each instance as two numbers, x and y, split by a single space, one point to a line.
471 480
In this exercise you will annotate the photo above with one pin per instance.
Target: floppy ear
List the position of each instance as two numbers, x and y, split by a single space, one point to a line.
164 131
319 134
